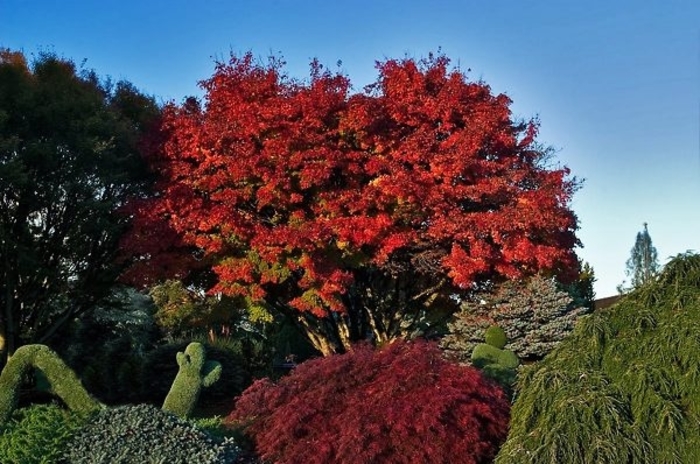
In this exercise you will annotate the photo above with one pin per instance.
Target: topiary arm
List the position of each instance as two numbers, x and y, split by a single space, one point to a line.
211 372
64 383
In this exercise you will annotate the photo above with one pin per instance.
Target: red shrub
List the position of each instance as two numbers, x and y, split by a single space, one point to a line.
401 404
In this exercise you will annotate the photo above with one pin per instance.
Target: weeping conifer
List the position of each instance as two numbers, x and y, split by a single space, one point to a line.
624 388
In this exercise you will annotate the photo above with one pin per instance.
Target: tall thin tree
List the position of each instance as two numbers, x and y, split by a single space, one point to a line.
643 264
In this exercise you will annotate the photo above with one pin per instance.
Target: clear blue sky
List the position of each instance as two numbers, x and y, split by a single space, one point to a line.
616 84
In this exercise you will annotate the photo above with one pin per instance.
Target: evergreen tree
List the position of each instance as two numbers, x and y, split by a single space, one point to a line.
535 314
623 387
643 264
581 289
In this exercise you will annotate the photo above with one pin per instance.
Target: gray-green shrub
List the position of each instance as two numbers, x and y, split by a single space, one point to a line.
144 434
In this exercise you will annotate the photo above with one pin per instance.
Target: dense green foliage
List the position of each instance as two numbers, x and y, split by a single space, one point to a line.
535 314
195 373
402 403
126 329
68 161
63 381
494 361
624 388
144 434
37 434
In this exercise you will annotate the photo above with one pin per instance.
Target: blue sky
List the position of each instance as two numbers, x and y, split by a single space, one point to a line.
615 84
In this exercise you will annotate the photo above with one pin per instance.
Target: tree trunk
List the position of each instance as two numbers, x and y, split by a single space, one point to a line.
8 326
318 339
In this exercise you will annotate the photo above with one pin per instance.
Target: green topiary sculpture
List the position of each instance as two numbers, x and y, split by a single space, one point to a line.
63 381
195 372
495 362
495 336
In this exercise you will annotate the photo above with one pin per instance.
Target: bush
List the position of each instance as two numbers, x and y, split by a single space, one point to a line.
62 381
403 403
160 368
125 328
37 434
195 373
144 434
495 362
624 388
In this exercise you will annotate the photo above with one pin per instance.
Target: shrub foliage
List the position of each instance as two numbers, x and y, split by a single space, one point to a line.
160 368
535 314
144 434
624 388
402 403
62 380
37 434
195 373
495 362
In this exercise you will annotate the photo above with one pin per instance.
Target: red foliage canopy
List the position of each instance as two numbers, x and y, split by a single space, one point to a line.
285 186
401 404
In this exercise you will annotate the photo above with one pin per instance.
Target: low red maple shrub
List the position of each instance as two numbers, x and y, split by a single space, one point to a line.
403 403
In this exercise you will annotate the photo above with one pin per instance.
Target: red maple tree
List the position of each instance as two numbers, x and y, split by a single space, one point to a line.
403 403
356 213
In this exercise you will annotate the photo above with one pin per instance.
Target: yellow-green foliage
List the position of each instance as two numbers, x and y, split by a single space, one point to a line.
63 381
195 372
624 388
493 360
496 337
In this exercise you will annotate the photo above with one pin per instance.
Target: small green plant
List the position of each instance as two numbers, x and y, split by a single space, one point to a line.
214 426
37 434
195 372
495 362
145 434
61 379
160 368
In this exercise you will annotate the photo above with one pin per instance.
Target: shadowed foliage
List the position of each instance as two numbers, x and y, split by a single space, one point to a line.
69 159
62 380
624 388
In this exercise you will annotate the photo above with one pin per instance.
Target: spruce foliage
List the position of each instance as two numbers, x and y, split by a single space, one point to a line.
535 315
624 388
